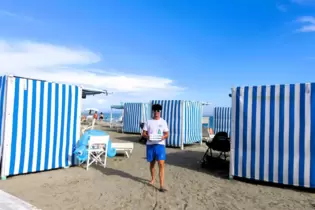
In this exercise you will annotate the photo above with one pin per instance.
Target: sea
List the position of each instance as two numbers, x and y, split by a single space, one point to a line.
116 116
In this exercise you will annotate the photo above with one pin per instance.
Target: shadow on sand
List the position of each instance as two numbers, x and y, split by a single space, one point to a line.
114 172
219 168
192 160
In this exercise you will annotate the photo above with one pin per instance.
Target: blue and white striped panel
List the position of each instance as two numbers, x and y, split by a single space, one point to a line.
132 117
192 124
42 125
146 112
2 110
171 113
273 134
222 119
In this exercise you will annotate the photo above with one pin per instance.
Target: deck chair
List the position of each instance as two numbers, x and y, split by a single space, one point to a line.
123 147
97 150
220 143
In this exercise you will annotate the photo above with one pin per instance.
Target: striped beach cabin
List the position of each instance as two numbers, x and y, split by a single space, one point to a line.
134 114
273 137
184 119
222 119
39 125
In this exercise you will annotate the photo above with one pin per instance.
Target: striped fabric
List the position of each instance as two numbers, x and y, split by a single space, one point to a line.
2 110
41 125
172 114
222 119
134 114
184 121
192 123
273 135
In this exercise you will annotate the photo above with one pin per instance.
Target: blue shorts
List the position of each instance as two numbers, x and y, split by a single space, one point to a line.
156 152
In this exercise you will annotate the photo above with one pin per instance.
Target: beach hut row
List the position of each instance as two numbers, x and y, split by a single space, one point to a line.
183 118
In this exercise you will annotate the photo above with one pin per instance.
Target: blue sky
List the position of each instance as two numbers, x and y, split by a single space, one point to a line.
194 50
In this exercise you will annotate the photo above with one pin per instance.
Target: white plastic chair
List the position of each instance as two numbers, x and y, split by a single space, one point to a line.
97 150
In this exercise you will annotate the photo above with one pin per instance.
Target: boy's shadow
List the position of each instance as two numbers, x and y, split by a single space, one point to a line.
111 171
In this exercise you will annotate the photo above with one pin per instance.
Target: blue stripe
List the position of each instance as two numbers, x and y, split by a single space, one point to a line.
23 140
281 134
75 122
55 152
40 127
272 131
69 121
15 125
253 137
291 136
237 129
244 164
312 144
262 133
32 137
48 129
2 106
302 135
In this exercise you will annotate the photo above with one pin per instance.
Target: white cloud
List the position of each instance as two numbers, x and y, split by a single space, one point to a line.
308 24
71 65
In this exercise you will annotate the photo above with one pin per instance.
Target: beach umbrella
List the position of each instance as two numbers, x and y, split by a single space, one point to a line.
92 109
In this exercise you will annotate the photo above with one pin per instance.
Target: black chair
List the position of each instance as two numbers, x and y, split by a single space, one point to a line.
220 143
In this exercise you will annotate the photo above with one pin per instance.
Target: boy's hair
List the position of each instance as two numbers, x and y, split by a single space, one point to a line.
156 107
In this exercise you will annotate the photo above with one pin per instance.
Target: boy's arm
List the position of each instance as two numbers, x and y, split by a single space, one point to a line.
165 131
145 131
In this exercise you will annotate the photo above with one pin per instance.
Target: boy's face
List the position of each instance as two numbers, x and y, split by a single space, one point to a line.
156 113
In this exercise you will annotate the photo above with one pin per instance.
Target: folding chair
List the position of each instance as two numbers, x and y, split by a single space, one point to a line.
97 150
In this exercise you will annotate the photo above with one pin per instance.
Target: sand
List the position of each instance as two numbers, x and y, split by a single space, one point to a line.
123 185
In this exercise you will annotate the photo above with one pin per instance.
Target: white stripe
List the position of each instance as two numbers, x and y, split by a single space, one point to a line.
58 126
286 134
296 135
65 133
52 125
241 136
267 135
257 140
71 124
37 102
78 118
44 130
232 152
19 127
28 124
249 131
307 159
276 135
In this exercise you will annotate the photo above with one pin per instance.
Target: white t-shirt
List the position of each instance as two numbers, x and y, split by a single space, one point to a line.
156 127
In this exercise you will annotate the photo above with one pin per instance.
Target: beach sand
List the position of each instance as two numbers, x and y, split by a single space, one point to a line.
123 185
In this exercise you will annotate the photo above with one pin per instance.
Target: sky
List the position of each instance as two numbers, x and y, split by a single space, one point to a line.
159 49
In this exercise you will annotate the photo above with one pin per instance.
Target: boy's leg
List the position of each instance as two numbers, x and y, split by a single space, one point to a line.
161 156
151 160
152 171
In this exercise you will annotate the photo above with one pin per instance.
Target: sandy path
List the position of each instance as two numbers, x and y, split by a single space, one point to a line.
123 186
